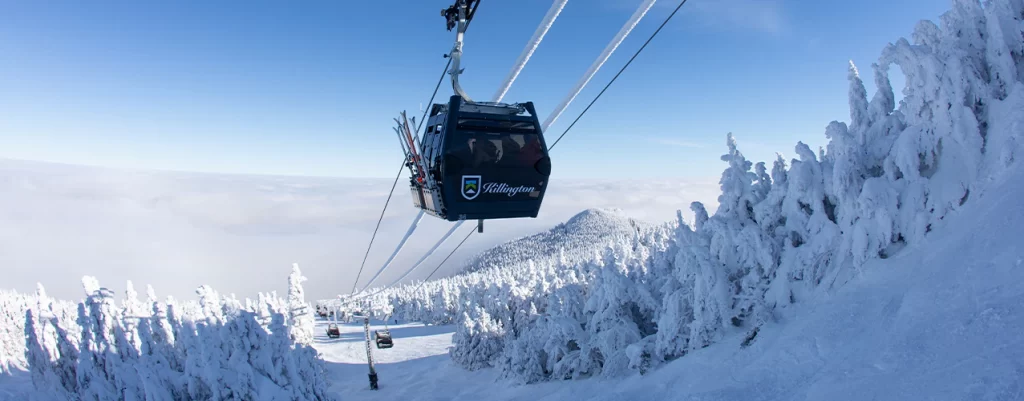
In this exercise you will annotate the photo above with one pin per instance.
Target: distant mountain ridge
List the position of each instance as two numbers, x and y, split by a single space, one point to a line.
579 237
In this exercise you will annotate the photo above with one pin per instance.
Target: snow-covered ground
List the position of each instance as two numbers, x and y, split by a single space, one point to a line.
16 386
417 367
940 321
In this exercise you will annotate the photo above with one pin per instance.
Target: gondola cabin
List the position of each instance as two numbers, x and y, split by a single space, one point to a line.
484 161
333 331
383 339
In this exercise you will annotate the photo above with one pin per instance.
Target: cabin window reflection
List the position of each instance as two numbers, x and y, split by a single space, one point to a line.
485 149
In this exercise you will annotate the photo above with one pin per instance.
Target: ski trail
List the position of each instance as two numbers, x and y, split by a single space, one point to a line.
608 50
531 46
401 244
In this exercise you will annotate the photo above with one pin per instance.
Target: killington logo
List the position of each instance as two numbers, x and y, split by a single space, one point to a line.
503 188
470 186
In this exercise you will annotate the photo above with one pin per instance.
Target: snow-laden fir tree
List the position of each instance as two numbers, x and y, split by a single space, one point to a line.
40 351
165 351
477 341
300 317
98 367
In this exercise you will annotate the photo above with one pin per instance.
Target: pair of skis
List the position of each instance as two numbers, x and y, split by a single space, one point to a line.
409 139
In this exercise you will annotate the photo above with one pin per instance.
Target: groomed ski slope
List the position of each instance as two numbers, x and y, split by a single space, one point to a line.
939 321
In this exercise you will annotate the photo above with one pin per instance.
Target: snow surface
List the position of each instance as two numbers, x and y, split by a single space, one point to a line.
15 386
940 321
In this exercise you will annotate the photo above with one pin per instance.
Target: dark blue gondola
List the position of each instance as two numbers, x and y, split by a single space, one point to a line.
485 161
476 160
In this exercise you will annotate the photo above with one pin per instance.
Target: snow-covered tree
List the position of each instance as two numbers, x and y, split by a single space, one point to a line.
619 312
98 367
477 341
300 318
40 352
203 350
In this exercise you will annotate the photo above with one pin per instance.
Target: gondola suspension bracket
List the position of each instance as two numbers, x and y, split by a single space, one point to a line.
461 18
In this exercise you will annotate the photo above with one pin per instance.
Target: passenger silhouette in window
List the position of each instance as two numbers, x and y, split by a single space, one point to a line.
509 152
531 152
485 152
459 157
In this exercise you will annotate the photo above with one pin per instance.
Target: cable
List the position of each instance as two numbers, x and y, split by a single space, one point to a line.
617 75
531 46
556 8
393 186
398 249
581 115
598 63
378 226
669 18
445 71
418 126
431 102
445 260
354 284
429 253
418 263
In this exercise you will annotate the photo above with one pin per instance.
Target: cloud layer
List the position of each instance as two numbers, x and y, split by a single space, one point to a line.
240 234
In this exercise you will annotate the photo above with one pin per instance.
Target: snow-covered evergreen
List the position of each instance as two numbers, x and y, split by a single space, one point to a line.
213 348
13 306
884 181
300 317
478 340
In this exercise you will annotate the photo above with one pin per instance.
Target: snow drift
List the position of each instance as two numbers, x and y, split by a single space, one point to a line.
780 236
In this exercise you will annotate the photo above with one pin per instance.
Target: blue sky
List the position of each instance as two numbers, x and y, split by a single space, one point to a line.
310 88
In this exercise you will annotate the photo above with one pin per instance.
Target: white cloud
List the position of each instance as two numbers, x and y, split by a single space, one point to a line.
240 234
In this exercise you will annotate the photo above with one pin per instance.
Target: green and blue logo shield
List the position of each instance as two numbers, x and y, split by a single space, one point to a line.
470 186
